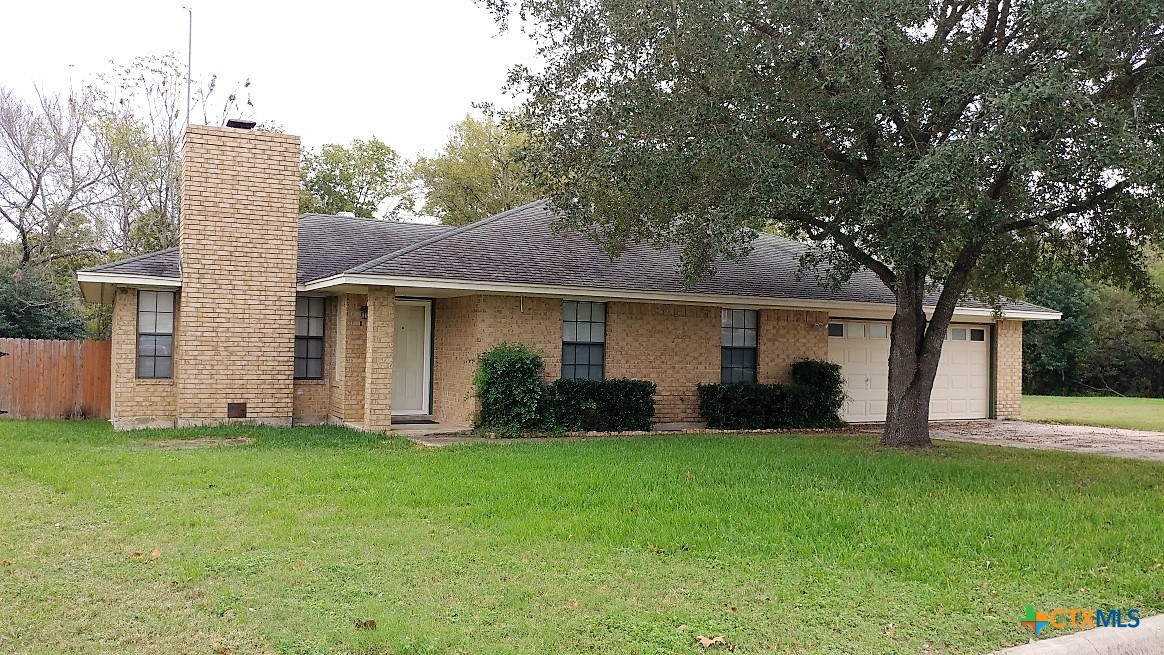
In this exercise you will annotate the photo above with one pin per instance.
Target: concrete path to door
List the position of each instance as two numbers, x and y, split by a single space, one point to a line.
1114 442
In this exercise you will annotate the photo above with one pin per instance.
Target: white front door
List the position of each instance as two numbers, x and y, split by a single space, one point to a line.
410 374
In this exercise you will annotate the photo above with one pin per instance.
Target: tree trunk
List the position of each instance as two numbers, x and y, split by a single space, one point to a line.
914 349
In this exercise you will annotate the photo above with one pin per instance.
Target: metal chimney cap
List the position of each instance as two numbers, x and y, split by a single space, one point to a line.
240 124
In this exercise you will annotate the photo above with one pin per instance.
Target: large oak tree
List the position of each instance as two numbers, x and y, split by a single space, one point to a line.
941 144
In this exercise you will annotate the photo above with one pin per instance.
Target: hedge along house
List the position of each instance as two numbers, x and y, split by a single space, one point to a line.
263 316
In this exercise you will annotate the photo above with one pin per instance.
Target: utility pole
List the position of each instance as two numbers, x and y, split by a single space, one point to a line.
189 57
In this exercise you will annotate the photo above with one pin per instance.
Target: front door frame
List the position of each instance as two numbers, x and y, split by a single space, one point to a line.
427 358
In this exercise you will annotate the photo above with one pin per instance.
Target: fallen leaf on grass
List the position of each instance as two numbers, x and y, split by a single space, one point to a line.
136 553
5 562
365 624
708 643
574 604
156 553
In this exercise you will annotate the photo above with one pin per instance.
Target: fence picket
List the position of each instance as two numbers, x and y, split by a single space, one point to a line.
55 379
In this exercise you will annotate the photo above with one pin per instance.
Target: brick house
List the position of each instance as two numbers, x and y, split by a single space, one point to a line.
261 315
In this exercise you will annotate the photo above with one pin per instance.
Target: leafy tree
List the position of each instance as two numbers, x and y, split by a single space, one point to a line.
934 142
138 127
50 179
478 173
358 179
1129 337
1056 353
32 307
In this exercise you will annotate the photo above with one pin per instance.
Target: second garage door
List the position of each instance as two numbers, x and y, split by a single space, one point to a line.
961 387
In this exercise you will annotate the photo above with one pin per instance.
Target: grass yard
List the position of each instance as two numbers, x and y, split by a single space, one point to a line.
780 544
1133 413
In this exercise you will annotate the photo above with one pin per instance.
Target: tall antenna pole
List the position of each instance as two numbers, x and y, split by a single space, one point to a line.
189 57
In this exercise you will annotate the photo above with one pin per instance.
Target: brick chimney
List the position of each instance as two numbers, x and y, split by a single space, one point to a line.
238 237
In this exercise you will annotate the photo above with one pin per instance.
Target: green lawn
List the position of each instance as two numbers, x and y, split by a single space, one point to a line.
781 544
1134 413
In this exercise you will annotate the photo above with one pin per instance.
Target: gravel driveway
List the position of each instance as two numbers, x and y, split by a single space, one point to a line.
1116 442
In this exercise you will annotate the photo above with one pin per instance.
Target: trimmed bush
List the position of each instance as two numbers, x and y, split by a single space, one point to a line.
601 405
818 393
813 400
509 386
515 401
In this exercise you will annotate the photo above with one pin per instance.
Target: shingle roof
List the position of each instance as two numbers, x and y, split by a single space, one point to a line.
163 263
333 244
521 247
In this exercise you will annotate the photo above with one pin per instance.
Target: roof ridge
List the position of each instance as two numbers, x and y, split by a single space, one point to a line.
119 262
365 219
372 263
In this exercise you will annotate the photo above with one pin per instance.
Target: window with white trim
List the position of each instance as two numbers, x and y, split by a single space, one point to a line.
309 338
155 334
583 340
739 329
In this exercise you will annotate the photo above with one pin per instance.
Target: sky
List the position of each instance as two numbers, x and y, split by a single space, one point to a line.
402 70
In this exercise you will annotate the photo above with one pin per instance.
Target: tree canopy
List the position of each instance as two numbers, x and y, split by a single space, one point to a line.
934 142
358 178
477 174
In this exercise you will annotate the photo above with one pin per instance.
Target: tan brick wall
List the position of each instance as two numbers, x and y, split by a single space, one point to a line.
381 336
787 336
136 403
455 349
313 397
347 388
1008 391
238 235
466 326
674 346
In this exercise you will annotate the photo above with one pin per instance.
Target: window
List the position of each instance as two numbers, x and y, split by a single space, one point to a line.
737 353
958 334
155 334
878 331
855 330
309 338
977 334
583 340
836 329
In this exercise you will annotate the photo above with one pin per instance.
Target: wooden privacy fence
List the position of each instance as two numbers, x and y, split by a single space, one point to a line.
54 379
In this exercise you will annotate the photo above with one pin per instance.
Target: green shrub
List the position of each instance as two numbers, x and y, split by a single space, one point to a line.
818 391
813 400
601 405
508 381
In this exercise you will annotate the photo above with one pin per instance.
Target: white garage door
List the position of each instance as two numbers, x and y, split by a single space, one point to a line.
961 388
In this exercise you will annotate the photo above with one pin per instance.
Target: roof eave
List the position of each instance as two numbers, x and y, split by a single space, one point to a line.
689 298
98 287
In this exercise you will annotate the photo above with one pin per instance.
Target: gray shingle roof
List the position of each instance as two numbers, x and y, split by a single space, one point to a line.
163 263
333 244
521 247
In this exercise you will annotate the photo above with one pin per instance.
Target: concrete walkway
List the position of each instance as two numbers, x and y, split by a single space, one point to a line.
1146 639
1115 442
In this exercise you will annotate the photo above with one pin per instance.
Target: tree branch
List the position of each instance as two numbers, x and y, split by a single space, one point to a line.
1087 204
847 242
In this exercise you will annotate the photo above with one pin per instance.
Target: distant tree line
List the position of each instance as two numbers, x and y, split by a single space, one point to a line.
1110 340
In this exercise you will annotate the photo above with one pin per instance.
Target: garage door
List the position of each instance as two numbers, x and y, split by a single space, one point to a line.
961 388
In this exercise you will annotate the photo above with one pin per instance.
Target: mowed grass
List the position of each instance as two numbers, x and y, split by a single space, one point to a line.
781 544
1132 413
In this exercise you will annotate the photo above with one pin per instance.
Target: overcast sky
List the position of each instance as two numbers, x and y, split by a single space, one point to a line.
402 70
